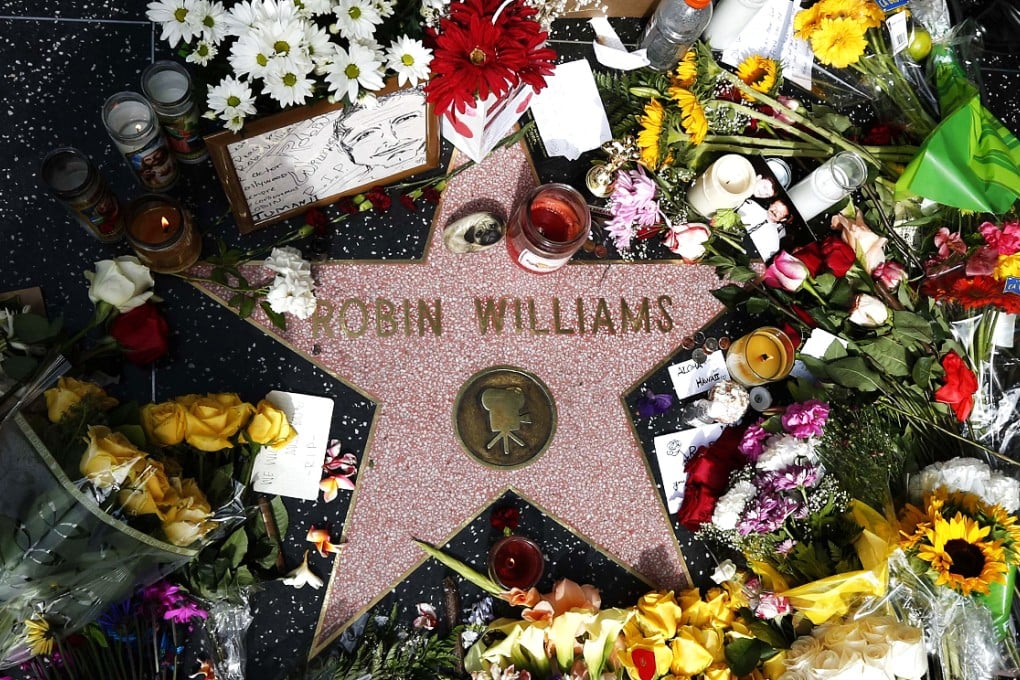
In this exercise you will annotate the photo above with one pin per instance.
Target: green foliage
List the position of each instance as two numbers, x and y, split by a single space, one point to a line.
624 95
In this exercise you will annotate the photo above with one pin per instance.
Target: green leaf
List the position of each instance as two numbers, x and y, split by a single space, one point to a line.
853 372
824 283
280 514
834 351
483 582
757 305
278 319
911 328
235 548
32 328
767 634
889 355
246 307
922 373
730 295
134 433
19 368
124 414
743 654
219 276
742 274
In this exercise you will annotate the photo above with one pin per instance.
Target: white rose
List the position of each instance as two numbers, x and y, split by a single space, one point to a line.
784 450
287 260
907 656
868 311
876 655
728 508
124 283
802 653
725 571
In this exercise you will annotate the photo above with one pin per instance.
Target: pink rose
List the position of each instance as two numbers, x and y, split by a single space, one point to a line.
1005 241
869 246
687 240
786 272
889 273
771 606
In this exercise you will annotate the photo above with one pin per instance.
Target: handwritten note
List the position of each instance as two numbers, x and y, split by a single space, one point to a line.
295 470
672 451
770 33
690 378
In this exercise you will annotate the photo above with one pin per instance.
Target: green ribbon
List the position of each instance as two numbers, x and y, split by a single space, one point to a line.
970 161
999 601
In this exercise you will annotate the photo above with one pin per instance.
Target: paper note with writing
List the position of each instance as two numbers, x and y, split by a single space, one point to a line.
295 470
690 378
569 112
672 451
770 33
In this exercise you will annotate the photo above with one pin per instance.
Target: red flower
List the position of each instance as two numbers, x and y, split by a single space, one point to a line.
476 56
959 388
804 316
975 292
378 198
644 662
810 255
317 220
347 205
507 517
839 256
408 202
142 334
708 473
431 194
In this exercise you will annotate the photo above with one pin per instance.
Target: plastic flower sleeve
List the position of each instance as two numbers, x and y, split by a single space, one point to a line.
64 554
227 625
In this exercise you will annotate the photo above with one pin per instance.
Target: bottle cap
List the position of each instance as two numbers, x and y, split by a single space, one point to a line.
698 4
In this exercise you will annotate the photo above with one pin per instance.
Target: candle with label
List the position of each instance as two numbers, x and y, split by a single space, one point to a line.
724 185
132 125
77 184
167 85
763 355
548 228
830 183
516 562
162 234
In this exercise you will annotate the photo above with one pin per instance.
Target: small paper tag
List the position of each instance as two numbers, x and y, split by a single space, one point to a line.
1012 285
899 37
672 451
890 5
690 378
295 470
818 343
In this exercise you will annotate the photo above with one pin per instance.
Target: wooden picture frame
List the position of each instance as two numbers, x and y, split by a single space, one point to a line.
281 165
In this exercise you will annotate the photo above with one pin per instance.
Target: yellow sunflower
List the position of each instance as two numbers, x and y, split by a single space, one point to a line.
39 635
651 133
759 73
693 118
1007 266
686 72
913 526
959 552
838 42
1007 524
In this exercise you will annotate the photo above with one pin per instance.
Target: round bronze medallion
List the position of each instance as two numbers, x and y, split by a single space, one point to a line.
504 417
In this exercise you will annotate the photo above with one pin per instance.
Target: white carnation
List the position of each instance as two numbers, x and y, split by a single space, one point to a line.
728 508
784 450
288 260
968 475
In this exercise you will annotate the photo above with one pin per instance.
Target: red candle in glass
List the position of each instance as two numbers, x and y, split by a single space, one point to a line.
162 235
548 228
516 562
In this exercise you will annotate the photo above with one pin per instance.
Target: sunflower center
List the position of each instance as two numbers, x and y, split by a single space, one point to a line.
757 75
478 56
968 560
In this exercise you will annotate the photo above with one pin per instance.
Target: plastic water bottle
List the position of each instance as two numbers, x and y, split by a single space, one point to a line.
673 28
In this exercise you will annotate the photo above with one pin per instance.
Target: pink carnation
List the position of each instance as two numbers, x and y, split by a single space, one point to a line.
1005 241
771 606
806 419
753 443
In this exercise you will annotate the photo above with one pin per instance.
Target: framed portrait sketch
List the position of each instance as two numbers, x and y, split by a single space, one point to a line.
281 165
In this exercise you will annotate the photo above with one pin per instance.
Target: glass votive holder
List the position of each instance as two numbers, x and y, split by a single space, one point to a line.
547 228
727 183
74 180
762 356
830 183
167 86
162 234
132 125
516 562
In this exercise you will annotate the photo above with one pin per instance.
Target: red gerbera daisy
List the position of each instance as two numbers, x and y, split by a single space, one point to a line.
976 292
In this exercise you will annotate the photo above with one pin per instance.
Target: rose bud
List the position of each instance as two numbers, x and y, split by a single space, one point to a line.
868 311
786 272
889 273
687 240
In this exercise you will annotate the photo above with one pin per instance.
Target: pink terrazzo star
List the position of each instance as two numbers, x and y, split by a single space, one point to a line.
420 483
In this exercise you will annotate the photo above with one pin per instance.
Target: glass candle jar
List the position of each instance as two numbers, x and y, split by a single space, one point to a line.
132 125
167 85
763 355
547 228
516 562
830 183
724 185
162 234
76 183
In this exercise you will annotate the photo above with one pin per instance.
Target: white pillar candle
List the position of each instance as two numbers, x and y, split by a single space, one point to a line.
830 183
725 184
729 18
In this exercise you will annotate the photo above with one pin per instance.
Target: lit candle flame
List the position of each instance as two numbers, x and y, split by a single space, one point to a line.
165 223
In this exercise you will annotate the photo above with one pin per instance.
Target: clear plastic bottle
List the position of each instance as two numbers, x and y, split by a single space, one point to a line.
673 28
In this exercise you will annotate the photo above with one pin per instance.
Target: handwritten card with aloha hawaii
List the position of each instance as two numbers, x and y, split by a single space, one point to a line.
690 378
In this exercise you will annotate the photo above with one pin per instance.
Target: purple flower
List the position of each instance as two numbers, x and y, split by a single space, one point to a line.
797 476
807 419
753 443
161 596
652 404
184 610
786 546
633 204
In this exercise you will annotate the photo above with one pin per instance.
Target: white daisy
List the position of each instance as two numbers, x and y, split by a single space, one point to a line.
385 8
287 86
242 18
177 18
433 10
357 19
231 98
212 18
203 53
248 55
353 70
314 8
277 10
282 39
370 43
409 59
318 46
235 123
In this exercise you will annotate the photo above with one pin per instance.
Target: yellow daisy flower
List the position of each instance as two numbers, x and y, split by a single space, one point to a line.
806 21
40 635
962 557
651 133
1007 266
838 42
693 119
760 73
686 72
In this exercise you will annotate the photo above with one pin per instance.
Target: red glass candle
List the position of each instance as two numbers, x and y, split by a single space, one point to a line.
162 235
516 562
548 228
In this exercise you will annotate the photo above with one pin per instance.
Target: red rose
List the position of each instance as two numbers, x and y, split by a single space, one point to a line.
804 316
507 517
839 257
142 334
959 388
708 473
317 220
811 256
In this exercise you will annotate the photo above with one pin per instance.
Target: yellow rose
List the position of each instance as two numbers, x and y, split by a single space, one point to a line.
110 458
213 419
185 516
658 614
269 427
68 392
147 490
164 424
641 656
689 656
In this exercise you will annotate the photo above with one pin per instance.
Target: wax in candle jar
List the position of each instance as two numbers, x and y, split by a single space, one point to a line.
516 562
162 235
765 355
761 356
